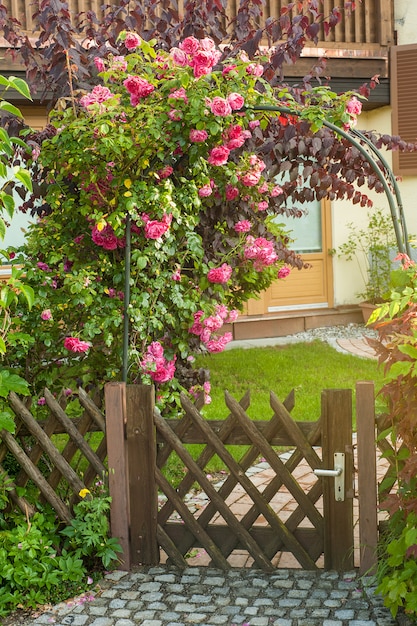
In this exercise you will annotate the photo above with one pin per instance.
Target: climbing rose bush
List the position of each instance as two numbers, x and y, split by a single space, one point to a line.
167 145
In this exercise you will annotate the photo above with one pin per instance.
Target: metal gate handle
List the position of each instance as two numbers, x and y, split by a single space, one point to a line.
338 473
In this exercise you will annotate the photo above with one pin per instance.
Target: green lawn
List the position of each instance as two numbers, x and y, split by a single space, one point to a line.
308 368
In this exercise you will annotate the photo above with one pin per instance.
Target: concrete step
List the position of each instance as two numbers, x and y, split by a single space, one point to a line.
291 322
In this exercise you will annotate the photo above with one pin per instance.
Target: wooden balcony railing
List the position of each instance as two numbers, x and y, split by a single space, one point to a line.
369 28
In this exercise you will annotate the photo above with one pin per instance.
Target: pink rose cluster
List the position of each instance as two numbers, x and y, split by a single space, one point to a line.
156 365
154 229
73 344
138 89
222 107
200 54
205 328
98 95
260 251
220 275
354 108
106 238
195 391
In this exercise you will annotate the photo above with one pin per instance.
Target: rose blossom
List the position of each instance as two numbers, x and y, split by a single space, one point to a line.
105 237
179 94
189 45
76 345
243 226
132 41
283 272
220 107
231 192
262 206
218 155
99 63
354 106
218 345
250 179
176 275
205 191
46 315
198 136
220 274
98 95
165 171
138 88
255 69
179 57
155 229
236 101
227 69
276 191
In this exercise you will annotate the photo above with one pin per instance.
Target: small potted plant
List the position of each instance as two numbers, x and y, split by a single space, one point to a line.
374 248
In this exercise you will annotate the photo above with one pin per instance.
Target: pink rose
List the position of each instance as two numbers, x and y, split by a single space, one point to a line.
205 191
73 344
132 41
255 69
165 171
138 88
179 57
228 68
236 101
218 345
189 45
198 136
276 191
174 115
176 275
46 315
179 94
98 95
218 155
155 229
262 206
243 226
220 107
251 179
220 274
231 192
283 272
99 63
105 237
207 44
354 106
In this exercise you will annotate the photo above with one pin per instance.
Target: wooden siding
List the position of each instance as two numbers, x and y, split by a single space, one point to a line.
370 25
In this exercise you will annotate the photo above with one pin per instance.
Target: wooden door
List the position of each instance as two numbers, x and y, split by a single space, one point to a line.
310 288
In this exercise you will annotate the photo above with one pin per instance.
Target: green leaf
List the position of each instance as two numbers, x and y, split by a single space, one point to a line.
409 350
21 86
24 177
8 203
2 346
6 106
29 294
7 422
2 228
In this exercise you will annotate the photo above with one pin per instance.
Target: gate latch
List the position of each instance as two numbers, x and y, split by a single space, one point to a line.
338 473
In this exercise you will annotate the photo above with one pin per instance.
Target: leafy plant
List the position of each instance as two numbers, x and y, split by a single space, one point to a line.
42 562
372 248
397 348
88 532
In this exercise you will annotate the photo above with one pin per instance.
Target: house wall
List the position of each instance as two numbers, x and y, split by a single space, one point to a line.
347 275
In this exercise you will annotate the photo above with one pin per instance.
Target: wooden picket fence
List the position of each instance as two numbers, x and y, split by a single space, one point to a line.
131 444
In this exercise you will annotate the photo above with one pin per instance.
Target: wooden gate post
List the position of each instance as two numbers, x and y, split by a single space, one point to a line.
115 398
338 516
367 480
141 451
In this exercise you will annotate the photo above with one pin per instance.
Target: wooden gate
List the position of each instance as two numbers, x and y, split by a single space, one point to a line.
141 443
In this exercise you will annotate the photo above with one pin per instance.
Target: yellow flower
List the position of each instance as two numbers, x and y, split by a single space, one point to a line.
84 492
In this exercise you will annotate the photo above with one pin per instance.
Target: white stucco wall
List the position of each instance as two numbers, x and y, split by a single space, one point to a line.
347 277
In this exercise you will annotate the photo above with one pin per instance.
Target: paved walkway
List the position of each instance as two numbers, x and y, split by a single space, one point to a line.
166 596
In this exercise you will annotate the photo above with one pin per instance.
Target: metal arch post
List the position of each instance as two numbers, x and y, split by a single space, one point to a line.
400 228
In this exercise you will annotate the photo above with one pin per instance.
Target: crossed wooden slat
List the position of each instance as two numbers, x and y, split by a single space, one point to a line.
260 444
